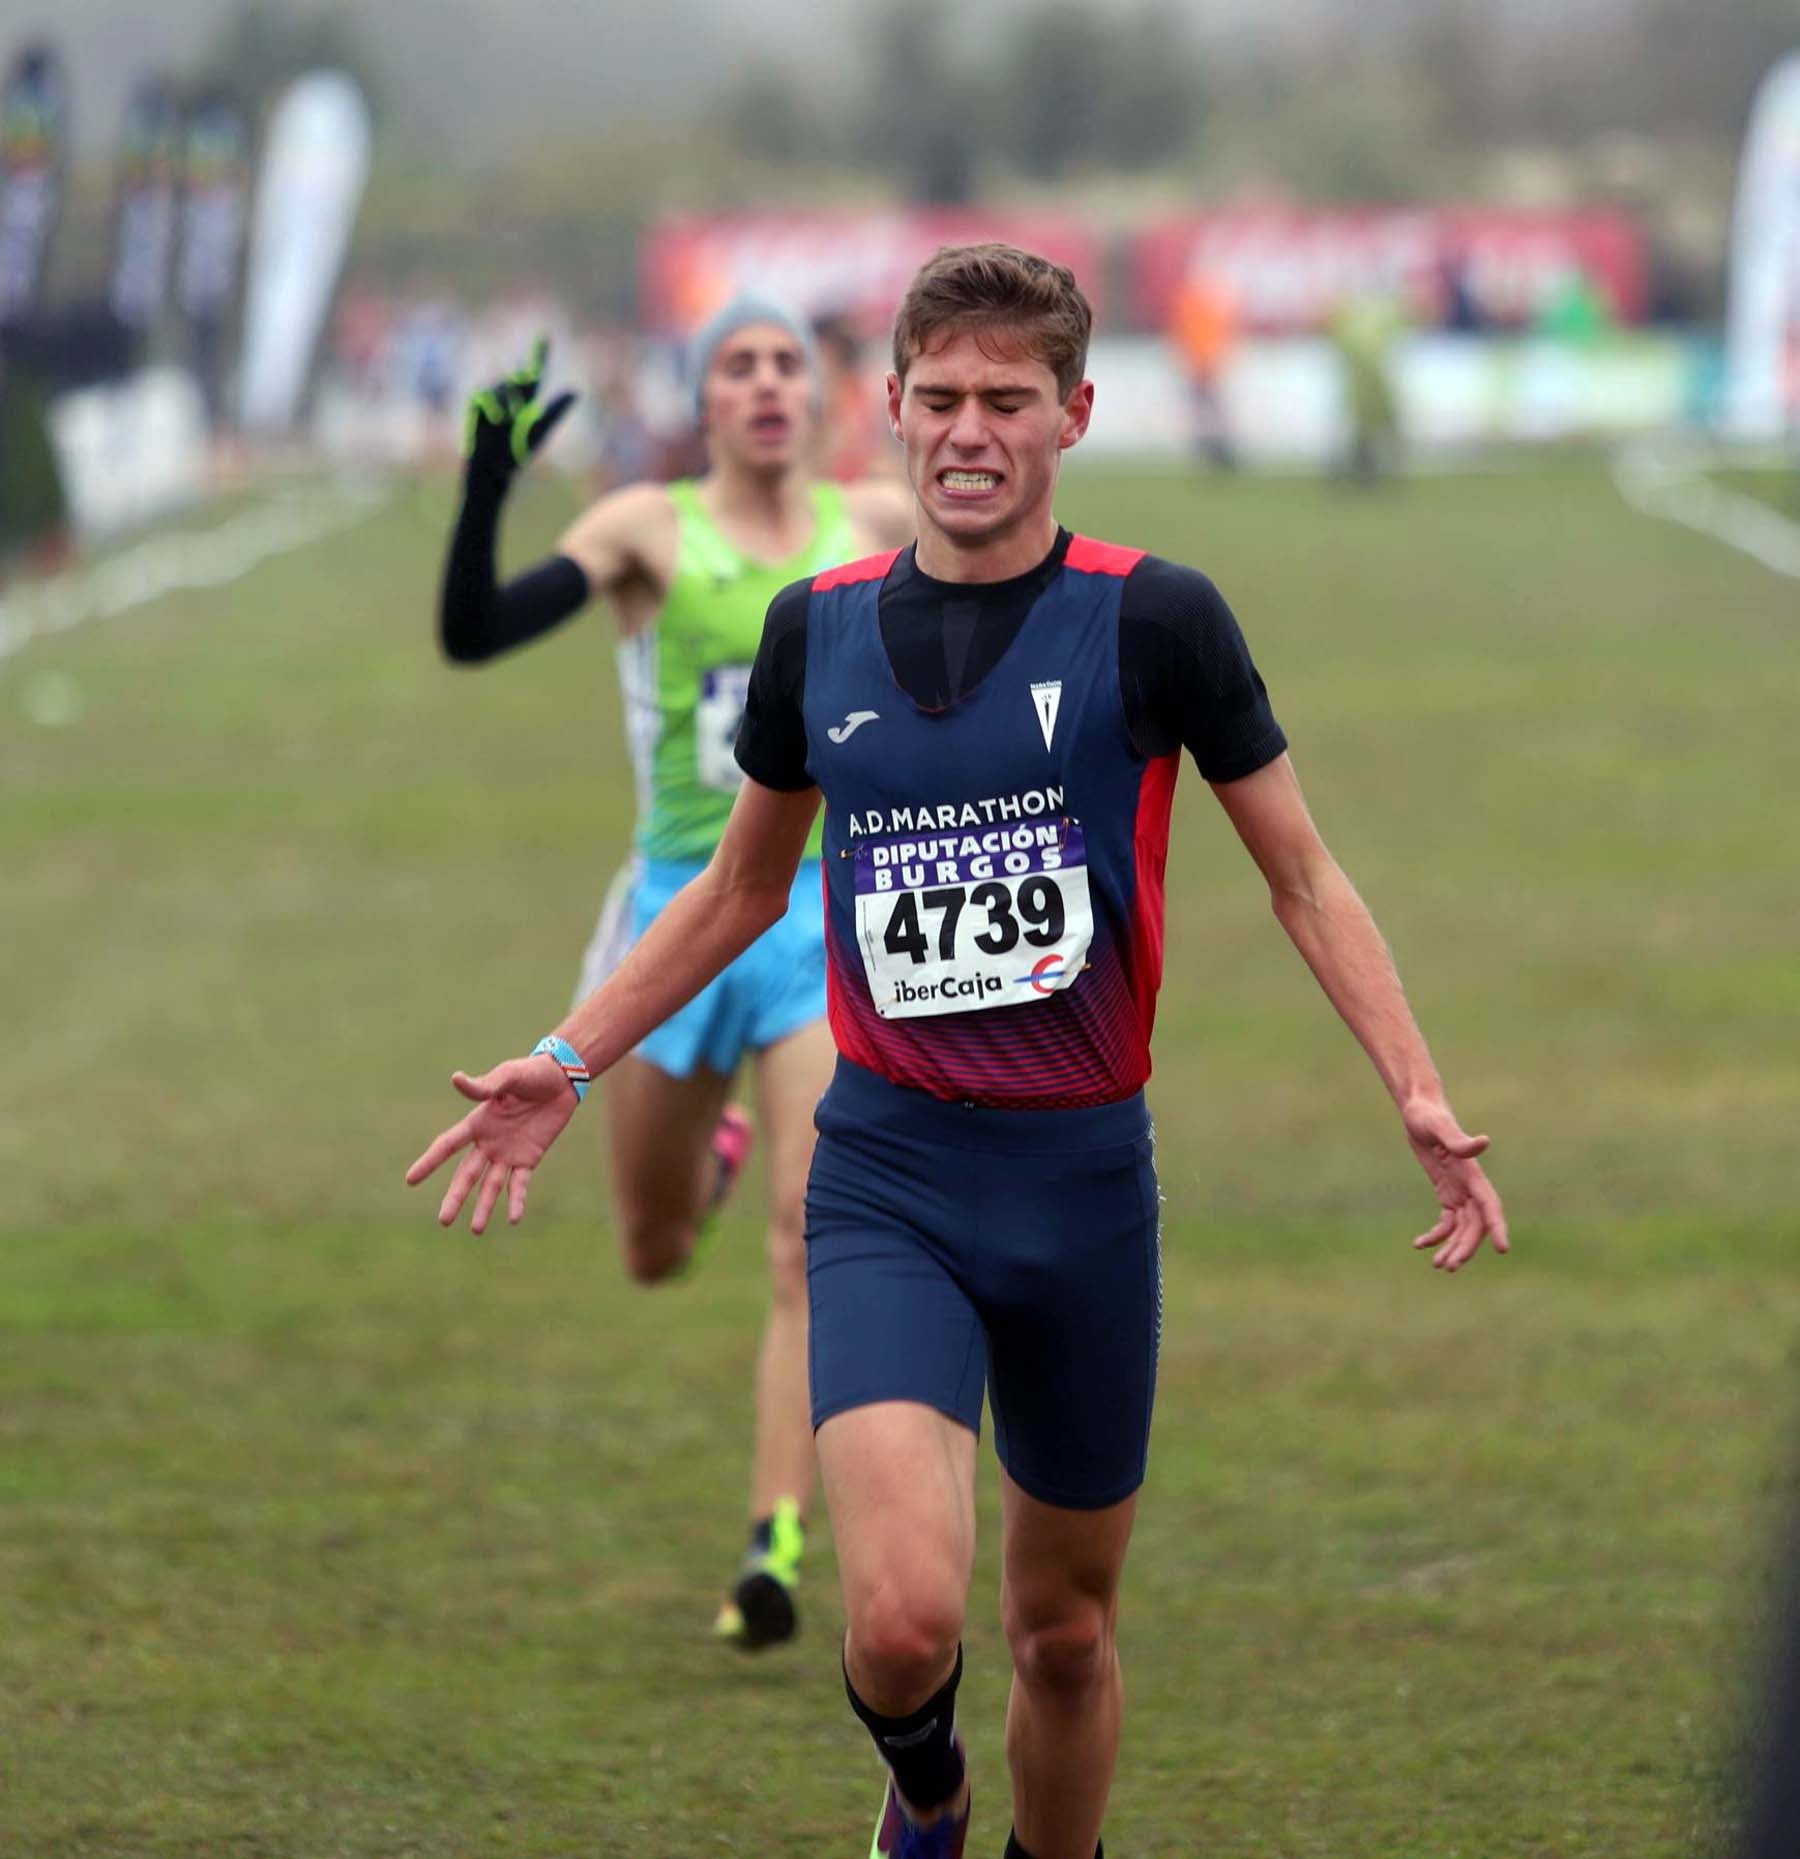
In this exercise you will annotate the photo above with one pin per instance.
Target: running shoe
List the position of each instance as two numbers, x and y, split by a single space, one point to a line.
897 1838
760 1609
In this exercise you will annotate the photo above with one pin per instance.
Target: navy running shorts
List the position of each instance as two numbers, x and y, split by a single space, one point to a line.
949 1245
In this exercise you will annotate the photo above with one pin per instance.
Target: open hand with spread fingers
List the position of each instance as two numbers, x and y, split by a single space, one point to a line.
1471 1206
520 1110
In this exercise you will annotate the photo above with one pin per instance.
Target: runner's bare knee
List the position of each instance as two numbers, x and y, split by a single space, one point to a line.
655 1249
1065 1647
787 1253
903 1637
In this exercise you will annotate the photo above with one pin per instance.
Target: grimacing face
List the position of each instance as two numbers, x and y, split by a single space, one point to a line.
984 429
756 401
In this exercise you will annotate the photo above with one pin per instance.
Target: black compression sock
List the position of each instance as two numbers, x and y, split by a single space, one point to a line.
762 1534
1015 1851
920 1748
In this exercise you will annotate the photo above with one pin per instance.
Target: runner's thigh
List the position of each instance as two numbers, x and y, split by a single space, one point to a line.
1070 1292
891 1319
791 1077
900 1483
660 1129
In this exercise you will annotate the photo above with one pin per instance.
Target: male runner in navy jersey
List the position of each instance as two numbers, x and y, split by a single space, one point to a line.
994 719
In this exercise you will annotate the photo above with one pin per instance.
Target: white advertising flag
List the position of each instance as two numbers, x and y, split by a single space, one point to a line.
315 162
1762 329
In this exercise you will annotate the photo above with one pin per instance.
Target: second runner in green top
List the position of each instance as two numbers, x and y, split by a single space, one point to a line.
684 675
688 570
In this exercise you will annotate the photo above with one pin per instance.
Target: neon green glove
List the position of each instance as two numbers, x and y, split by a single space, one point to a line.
509 421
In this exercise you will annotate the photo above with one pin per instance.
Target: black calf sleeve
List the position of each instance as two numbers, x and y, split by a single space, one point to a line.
921 1748
1015 1851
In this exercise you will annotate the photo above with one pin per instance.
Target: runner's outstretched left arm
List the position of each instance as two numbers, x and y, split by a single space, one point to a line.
522 1106
1332 928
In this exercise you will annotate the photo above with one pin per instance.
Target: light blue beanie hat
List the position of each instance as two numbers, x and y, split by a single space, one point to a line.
743 310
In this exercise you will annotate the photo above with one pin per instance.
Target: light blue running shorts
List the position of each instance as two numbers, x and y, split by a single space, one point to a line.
773 989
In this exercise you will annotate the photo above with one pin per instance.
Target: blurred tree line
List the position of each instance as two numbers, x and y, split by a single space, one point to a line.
1639 103
261 45
1375 99
1055 89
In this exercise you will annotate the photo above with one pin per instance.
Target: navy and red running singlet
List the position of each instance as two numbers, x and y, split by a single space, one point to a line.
994 863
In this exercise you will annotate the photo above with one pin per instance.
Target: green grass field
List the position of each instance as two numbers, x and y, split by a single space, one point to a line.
324 1533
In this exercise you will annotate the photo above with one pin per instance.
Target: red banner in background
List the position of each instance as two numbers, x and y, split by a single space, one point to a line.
854 265
1287 271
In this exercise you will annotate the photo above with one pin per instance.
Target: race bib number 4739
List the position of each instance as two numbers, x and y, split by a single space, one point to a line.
959 922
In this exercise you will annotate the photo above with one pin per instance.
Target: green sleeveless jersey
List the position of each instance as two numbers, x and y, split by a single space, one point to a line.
685 677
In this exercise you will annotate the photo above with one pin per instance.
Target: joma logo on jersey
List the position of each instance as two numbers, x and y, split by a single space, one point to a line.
842 732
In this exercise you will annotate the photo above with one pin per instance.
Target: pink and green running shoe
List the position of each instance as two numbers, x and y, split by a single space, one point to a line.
730 1148
896 1837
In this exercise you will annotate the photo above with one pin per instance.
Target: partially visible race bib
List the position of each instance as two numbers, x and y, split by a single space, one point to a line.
957 922
724 690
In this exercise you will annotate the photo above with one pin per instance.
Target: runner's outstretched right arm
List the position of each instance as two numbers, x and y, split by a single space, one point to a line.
522 1106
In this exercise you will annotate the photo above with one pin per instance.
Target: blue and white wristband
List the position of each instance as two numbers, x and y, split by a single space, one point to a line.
574 1066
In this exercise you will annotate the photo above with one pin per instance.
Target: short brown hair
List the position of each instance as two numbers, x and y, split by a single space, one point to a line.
989 287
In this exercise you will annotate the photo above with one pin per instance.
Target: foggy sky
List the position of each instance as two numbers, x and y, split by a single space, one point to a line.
478 74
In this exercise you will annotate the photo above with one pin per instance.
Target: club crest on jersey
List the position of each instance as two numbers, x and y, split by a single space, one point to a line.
1046 699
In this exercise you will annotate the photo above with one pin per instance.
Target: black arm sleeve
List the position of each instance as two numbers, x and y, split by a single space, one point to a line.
476 618
771 740
1187 676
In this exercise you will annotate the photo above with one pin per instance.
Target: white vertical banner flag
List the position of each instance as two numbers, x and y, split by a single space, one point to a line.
1762 326
314 164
